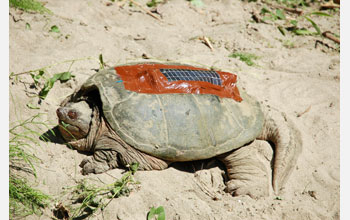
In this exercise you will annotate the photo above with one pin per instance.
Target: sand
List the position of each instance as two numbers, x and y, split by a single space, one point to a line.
302 81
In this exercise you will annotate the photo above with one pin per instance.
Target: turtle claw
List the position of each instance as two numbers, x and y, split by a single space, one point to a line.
85 161
254 191
89 165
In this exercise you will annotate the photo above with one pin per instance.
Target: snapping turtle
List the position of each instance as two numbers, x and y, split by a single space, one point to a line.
121 127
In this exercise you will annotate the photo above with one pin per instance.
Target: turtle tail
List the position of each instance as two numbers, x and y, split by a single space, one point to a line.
287 142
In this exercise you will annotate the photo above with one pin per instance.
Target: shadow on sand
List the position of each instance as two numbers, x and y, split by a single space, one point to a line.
54 136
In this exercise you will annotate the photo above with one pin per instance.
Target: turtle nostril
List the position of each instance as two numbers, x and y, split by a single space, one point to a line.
59 112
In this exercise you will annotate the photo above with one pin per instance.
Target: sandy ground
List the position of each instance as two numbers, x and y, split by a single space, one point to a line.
300 80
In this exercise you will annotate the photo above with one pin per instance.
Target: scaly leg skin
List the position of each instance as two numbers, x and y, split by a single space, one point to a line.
249 170
100 162
122 156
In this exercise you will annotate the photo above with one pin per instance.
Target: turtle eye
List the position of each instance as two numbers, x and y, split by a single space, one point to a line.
72 115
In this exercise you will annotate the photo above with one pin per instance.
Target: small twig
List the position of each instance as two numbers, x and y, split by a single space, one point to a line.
256 17
145 10
292 10
139 38
145 56
330 36
14 19
312 193
300 114
206 42
324 44
330 5
222 23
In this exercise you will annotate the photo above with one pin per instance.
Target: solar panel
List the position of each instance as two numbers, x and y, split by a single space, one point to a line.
192 75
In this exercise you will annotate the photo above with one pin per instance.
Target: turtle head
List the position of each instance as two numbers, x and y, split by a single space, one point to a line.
75 120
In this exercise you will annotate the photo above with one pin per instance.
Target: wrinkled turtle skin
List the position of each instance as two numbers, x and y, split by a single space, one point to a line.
188 127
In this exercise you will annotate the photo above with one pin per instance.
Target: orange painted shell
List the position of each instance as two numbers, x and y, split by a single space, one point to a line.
156 78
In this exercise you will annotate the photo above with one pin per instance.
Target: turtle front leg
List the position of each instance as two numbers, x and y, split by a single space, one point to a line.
249 170
100 162
122 155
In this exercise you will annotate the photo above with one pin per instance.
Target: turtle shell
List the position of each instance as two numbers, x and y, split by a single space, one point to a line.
176 127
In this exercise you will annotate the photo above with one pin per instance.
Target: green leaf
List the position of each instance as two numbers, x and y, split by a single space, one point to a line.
116 190
197 3
245 57
28 26
280 14
37 76
134 167
271 16
314 25
152 3
50 82
302 32
321 14
282 30
65 76
264 10
294 22
159 212
151 213
102 64
55 29
29 5
31 106
47 87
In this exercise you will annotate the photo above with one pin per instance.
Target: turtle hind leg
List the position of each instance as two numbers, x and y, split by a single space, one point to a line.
249 169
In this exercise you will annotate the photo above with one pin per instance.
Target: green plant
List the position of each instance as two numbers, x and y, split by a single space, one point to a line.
28 27
269 15
288 44
54 29
92 198
303 31
62 77
29 6
24 200
245 57
102 63
293 24
153 3
157 213
197 3
38 75
293 3
22 136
